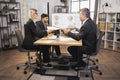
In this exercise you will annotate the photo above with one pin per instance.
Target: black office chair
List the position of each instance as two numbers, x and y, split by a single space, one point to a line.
28 63
90 59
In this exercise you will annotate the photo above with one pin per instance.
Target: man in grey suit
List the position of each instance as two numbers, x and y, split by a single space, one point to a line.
87 33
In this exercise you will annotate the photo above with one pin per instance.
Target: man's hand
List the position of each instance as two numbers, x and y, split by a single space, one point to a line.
50 31
66 30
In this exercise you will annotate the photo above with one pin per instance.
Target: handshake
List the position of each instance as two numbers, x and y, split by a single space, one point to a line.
57 32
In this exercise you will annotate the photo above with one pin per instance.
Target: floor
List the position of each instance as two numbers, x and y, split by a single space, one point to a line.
109 63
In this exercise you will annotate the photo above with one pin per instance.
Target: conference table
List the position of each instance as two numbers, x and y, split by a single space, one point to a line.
61 41
52 40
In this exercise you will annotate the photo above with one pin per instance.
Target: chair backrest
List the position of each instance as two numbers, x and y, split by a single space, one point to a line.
19 38
99 40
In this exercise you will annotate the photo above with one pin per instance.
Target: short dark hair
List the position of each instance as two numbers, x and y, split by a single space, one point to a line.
44 15
85 11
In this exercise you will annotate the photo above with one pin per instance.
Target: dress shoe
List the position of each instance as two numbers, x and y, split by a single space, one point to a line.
47 65
79 66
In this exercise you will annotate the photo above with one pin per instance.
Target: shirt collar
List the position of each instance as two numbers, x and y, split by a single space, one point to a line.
85 20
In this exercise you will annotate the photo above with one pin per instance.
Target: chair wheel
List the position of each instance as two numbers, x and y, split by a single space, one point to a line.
25 72
100 73
96 67
94 63
31 57
86 75
96 60
18 68
26 63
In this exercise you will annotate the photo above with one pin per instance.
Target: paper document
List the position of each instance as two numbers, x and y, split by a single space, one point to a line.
52 37
61 38
52 28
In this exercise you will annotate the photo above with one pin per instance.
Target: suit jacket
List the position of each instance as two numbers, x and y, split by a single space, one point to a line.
88 34
40 27
30 33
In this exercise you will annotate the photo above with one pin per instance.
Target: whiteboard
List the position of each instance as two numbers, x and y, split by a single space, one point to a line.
66 20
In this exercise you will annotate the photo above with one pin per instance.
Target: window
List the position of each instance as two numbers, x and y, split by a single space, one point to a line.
76 5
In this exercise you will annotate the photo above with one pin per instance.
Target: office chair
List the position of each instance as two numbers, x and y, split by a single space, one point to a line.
28 63
89 58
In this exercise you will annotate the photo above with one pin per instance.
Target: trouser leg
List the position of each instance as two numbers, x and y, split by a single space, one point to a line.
57 50
76 52
46 54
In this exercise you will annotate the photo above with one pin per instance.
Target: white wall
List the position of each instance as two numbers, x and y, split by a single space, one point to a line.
114 5
43 8
40 5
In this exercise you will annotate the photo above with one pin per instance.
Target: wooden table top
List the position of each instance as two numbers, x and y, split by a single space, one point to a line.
62 41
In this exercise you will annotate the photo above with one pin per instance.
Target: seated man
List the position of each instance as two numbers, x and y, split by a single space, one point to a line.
41 26
31 34
88 35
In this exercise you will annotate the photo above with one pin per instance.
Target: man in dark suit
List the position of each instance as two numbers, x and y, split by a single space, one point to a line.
31 34
87 33
41 26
